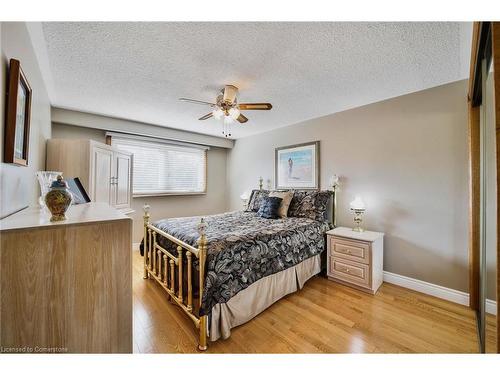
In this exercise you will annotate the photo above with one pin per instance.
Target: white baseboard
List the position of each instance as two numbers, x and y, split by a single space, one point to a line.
448 294
491 307
442 292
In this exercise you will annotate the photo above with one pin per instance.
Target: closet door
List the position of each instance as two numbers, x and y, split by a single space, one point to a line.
122 180
101 174
484 133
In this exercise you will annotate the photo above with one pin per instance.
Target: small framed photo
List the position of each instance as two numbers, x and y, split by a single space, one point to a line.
17 125
297 166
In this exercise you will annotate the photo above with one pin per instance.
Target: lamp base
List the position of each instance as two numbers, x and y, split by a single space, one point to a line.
358 213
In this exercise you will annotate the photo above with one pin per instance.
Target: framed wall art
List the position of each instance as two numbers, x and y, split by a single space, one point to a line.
297 166
17 125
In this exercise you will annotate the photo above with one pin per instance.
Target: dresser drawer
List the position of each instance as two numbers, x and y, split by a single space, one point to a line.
356 273
351 250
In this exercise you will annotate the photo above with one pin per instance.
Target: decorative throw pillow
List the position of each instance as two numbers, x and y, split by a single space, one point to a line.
311 204
256 199
269 207
286 197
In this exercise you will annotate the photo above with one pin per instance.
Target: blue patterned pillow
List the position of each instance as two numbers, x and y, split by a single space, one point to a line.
256 200
269 208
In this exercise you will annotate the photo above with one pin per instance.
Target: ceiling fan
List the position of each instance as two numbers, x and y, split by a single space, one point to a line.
227 107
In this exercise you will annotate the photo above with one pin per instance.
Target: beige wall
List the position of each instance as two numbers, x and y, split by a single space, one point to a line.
214 201
406 157
18 185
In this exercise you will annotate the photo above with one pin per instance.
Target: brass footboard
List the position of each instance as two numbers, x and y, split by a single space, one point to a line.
160 265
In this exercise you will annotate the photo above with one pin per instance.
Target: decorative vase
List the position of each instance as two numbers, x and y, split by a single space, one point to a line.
45 179
58 199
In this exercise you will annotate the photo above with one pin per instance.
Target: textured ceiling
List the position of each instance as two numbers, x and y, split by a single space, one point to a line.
139 70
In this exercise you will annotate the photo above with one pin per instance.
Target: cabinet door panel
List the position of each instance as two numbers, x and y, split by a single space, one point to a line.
101 184
123 179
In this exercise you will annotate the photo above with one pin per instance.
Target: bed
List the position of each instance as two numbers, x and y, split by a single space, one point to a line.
235 264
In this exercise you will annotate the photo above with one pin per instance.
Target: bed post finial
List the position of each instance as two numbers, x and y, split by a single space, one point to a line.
261 180
144 244
334 184
202 254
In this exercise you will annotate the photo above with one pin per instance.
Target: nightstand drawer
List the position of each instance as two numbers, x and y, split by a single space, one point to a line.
356 273
350 250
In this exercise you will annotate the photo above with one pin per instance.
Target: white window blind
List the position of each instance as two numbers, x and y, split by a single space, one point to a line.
162 168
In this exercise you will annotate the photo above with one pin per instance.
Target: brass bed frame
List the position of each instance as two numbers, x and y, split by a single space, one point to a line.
161 265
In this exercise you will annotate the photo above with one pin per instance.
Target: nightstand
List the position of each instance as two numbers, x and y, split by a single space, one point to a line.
355 259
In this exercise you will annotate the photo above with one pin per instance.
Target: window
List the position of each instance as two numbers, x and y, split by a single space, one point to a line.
161 167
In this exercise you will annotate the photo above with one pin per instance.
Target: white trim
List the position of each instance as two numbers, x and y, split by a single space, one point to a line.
448 294
491 307
135 246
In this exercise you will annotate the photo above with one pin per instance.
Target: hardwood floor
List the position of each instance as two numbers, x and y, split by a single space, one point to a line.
324 317
491 333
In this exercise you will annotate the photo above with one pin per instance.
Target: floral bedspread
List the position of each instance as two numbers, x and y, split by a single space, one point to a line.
243 248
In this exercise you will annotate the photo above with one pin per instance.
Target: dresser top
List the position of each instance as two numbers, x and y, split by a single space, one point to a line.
34 217
349 233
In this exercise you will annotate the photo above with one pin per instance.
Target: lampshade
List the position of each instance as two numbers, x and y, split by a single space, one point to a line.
357 204
218 113
234 113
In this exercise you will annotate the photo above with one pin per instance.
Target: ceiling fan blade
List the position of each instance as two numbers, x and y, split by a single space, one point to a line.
242 119
255 106
206 117
196 101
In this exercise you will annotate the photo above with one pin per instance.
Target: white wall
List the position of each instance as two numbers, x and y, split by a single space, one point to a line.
406 157
18 185
214 201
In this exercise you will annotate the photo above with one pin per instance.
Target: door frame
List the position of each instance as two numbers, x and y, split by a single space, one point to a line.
479 40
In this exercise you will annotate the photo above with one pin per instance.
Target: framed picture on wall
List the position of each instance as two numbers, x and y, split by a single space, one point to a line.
297 166
17 125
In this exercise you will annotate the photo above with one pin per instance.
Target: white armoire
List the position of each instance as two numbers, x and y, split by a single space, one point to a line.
104 171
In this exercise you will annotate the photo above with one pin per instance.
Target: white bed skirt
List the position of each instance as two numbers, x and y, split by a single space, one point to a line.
251 301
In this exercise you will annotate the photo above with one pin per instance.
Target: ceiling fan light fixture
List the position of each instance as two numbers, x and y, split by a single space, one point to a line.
218 113
228 108
234 113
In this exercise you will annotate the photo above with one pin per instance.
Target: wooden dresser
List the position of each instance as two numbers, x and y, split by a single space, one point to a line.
66 286
356 258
